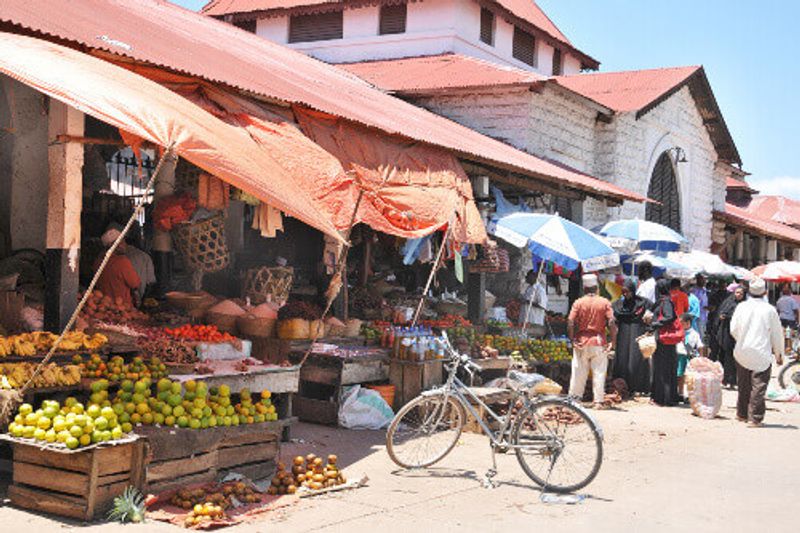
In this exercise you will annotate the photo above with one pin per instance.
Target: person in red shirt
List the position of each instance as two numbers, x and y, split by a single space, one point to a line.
680 300
589 319
119 279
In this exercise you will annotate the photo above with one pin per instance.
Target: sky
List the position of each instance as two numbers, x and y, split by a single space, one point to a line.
746 47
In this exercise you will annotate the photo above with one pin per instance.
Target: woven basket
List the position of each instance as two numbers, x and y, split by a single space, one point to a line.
225 323
268 284
252 326
189 301
202 244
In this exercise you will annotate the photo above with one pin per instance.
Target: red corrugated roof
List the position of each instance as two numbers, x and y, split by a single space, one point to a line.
432 73
776 208
740 217
160 33
528 10
224 7
739 185
629 90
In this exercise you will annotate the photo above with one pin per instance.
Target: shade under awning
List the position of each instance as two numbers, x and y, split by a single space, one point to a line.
152 112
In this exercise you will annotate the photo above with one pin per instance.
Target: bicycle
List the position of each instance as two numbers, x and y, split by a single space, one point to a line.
426 429
789 375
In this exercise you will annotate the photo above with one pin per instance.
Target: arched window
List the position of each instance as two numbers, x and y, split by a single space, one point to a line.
664 189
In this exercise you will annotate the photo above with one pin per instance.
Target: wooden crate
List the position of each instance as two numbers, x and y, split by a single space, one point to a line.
322 379
412 377
77 484
180 456
491 397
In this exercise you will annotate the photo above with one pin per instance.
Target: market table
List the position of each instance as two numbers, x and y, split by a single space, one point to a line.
323 376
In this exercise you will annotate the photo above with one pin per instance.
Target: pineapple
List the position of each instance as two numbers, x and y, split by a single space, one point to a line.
128 507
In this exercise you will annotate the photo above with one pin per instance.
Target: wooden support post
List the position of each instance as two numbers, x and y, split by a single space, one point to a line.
64 205
476 296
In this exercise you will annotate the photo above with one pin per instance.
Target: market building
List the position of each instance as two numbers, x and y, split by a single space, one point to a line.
503 68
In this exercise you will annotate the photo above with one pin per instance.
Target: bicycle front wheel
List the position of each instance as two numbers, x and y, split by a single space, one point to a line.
425 431
558 445
789 375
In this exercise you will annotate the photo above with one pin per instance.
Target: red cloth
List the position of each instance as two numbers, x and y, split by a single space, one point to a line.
118 279
590 315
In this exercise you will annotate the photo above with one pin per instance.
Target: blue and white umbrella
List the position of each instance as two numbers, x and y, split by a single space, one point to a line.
647 235
662 266
555 239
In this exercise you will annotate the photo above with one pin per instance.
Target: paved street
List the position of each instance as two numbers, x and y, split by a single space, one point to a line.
665 470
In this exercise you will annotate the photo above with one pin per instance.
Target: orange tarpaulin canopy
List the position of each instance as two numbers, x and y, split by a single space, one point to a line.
410 189
150 111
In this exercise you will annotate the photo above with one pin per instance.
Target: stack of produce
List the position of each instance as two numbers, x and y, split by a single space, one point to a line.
192 406
546 351
200 333
208 503
116 369
15 375
102 308
69 425
170 351
309 472
38 342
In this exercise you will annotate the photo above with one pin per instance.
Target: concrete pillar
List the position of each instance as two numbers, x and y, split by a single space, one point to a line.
476 296
65 161
162 240
772 250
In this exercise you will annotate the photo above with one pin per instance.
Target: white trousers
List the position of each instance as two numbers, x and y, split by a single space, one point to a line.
583 359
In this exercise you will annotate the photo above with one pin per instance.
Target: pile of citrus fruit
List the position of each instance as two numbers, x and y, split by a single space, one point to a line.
191 405
70 424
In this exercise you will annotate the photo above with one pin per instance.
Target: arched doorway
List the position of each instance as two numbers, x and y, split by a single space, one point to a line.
664 189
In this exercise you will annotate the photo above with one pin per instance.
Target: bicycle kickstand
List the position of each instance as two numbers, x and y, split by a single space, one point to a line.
488 481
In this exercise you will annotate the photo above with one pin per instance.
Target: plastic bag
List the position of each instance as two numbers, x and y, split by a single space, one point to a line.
364 409
704 381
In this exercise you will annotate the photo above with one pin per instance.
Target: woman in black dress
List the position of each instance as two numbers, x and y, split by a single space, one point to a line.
629 364
664 390
726 341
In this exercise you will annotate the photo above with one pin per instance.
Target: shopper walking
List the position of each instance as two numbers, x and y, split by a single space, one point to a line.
700 292
727 343
647 283
788 308
588 320
757 329
629 311
669 333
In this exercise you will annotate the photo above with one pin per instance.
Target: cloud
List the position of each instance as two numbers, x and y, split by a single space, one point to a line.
788 186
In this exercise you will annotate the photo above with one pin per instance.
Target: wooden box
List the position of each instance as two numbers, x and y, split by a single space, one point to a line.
179 456
412 377
78 484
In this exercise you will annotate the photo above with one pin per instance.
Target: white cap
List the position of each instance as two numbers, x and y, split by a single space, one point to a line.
109 237
758 287
589 281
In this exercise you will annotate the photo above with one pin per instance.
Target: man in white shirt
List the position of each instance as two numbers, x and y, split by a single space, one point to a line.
647 283
535 299
757 329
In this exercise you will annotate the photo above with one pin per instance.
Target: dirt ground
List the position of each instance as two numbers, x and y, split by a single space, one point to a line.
664 470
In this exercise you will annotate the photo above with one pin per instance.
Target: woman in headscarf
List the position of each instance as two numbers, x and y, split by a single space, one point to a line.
664 390
629 364
724 338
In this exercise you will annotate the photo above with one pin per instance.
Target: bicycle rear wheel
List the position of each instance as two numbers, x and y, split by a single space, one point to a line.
558 445
789 375
425 431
